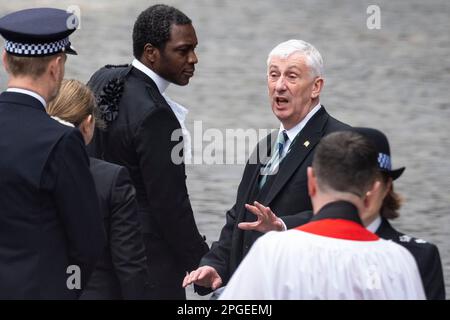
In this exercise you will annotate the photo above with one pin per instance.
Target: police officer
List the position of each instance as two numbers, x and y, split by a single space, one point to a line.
386 206
50 228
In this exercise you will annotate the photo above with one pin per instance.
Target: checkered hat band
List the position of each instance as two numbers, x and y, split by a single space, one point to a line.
384 161
36 49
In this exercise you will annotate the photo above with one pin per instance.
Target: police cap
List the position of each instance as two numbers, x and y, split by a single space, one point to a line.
38 32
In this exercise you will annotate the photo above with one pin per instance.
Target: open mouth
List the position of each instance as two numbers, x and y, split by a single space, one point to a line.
281 101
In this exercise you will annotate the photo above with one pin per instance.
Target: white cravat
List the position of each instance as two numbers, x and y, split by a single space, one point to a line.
179 111
181 114
29 93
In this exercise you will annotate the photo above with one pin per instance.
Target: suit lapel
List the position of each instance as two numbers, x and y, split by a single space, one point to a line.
152 88
303 144
153 91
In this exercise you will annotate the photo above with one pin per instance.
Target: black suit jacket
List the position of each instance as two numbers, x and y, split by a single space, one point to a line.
286 193
427 258
122 272
49 214
140 139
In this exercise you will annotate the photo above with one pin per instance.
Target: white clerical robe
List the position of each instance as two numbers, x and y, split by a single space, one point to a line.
301 265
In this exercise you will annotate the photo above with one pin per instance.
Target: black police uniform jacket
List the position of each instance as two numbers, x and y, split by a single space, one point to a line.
139 131
122 272
427 258
286 193
49 213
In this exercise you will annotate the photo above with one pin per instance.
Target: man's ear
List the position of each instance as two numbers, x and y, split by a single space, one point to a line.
5 64
317 87
151 54
373 194
312 182
54 67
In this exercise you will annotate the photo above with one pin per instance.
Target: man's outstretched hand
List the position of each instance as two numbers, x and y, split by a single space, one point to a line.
205 276
267 220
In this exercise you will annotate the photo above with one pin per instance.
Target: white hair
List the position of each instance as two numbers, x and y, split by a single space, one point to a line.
312 55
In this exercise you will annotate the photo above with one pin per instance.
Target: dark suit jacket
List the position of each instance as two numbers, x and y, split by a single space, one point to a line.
427 258
49 214
140 139
286 193
122 272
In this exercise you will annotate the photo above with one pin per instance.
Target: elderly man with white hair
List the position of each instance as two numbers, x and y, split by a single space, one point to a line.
277 180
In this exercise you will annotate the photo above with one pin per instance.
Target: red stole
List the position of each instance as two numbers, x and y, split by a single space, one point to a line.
340 229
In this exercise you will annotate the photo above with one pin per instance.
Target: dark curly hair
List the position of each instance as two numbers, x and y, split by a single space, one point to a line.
153 26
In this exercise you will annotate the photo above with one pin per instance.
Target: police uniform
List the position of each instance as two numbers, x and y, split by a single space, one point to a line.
426 254
50 228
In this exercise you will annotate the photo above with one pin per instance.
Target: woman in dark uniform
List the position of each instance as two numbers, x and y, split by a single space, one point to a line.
122 272
386 208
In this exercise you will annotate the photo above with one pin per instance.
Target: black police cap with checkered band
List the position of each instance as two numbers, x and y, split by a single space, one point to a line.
381 143
38 32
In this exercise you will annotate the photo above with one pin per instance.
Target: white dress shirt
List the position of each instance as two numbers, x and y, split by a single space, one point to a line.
374 225
179 111
294 131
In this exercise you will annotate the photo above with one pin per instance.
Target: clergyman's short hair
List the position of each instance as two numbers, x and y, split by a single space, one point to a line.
153 26
346 162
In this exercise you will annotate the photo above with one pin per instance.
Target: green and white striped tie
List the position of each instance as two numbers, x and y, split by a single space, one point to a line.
271 168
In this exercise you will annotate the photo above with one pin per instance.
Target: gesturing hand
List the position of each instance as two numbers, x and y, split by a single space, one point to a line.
267 220
205 276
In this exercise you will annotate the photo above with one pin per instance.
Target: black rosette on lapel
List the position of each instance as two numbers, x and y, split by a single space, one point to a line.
109 99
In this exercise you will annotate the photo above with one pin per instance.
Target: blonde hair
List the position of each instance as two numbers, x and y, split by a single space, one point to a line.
74 103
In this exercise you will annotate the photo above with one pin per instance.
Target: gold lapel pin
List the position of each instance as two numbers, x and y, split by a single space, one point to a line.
306 143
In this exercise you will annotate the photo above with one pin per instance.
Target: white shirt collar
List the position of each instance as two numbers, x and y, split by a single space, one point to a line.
373 227
161 83
63 121
180 111
292 133
29 93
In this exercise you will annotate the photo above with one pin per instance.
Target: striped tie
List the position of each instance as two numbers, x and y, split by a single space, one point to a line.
271 168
